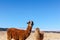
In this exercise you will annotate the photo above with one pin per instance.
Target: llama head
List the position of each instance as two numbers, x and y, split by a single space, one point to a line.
37 30
30 23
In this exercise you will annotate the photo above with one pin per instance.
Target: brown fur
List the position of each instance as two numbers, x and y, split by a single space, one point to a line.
41 35
19 34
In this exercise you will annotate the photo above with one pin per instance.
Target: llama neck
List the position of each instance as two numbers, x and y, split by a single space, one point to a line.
28 31
29 28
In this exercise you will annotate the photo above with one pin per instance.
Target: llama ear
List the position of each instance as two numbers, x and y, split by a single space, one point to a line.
32 23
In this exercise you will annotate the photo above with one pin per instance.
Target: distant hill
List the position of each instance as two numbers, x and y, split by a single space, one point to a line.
50 31
3 29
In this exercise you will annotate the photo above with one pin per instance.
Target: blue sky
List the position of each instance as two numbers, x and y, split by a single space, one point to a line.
44 13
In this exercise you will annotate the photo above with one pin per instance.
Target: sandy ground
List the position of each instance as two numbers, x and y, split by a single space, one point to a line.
47 36
3 35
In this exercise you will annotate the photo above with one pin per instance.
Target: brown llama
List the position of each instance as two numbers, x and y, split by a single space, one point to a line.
18 34
37 35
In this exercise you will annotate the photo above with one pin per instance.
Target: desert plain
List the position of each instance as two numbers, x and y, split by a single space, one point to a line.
47 35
